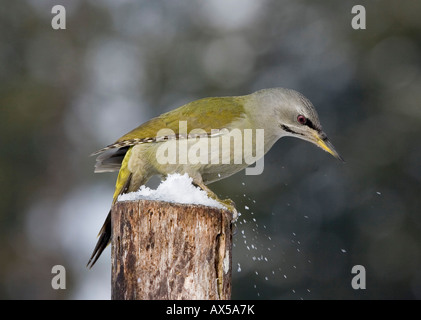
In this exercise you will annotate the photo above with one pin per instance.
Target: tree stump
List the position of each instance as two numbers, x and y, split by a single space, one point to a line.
163 250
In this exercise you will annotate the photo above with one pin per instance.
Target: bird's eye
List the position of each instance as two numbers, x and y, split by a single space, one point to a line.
301 119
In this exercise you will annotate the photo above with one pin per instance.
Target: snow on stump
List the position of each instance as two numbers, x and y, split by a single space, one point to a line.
167 250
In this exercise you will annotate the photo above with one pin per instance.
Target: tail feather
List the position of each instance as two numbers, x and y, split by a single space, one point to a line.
103 241
105 232
110 160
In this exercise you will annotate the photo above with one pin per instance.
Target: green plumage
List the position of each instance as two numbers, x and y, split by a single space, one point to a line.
206 114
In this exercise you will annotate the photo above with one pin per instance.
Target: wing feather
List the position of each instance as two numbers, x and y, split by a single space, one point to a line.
205 114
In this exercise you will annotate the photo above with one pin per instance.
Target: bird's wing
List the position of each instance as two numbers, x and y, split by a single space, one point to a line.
206 114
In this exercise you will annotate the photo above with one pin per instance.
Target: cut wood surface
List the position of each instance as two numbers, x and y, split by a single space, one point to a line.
163 250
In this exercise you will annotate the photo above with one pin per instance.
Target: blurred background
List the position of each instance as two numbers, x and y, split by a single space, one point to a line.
305 222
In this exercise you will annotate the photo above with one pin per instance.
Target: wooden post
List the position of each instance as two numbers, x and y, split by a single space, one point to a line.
164 250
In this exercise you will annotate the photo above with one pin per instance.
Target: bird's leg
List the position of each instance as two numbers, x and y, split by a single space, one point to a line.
227 203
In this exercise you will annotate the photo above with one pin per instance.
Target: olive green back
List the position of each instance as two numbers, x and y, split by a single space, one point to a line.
205 114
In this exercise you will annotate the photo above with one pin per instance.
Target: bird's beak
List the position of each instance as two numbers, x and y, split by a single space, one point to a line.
321 140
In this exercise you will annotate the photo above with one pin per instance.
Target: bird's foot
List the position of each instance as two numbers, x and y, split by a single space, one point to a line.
227 203
230 205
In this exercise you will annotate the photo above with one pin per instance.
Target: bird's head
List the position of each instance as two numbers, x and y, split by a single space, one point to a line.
295 116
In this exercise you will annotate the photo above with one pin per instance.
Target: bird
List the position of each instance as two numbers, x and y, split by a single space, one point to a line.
277 112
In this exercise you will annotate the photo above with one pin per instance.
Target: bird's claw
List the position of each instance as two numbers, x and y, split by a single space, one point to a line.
230 205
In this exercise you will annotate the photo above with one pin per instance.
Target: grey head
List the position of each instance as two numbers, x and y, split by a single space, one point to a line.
289 113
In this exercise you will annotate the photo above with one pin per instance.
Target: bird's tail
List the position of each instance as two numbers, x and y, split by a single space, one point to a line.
122 186
105 232
103 241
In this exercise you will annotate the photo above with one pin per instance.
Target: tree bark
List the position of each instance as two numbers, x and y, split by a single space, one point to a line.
164 250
